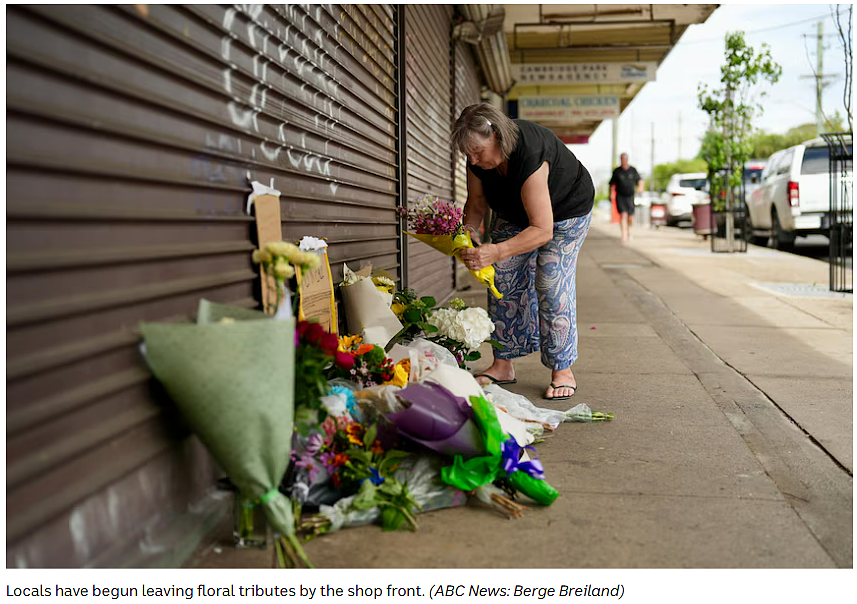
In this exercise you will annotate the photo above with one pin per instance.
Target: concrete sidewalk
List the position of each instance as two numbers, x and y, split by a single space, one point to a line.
732 443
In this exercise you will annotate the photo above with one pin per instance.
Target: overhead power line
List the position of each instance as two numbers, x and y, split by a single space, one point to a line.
756 31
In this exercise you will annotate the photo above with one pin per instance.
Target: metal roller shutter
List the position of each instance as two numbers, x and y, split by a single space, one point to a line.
130 135
429 158
466 93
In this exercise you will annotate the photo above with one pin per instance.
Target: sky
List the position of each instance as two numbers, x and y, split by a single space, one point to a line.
790 32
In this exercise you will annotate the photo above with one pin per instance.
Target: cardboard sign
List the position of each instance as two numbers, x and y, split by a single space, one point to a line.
316 294
269 227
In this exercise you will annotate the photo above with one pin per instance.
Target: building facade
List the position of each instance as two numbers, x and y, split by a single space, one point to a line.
133 133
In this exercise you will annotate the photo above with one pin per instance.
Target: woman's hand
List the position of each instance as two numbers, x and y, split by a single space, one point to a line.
474 235
475 258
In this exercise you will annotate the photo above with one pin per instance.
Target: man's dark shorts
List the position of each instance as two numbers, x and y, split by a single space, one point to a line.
625 205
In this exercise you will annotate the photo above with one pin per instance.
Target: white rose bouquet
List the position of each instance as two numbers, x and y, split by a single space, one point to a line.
462 330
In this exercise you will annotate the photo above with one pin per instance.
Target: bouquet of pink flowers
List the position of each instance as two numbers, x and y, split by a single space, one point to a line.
432 216
439 224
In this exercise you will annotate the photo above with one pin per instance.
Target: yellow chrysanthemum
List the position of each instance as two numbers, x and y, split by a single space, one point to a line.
283 270
262 256
282 248
307 260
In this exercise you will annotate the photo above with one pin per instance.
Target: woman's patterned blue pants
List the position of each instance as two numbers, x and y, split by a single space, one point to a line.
538 310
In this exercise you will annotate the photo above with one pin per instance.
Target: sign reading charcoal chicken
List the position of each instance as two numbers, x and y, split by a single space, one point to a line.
566 109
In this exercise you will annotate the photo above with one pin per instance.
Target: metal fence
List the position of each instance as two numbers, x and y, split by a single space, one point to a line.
728 214
840 214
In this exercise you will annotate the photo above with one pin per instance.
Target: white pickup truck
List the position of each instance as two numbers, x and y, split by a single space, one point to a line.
794 197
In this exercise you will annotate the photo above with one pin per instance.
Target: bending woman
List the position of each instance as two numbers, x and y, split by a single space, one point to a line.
542 198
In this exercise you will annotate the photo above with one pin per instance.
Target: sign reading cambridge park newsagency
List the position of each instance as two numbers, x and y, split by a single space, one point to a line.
584 73
565 109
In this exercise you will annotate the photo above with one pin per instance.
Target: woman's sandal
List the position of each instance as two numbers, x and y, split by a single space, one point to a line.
495 380
560 398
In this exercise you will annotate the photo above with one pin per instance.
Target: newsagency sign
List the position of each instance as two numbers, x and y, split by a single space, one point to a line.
586 73
564 109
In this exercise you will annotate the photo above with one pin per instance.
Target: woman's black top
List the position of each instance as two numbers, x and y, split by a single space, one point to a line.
571 191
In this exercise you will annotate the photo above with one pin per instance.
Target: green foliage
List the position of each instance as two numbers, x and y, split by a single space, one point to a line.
413 312
727 146
378 488
663 172
765 144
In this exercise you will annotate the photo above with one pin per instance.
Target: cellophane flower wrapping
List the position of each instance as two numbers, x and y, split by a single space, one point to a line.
438 223
421 474
469 474
233 381
437 419
451 245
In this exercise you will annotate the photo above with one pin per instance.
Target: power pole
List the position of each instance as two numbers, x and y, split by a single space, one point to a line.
819 120
679 135
615 143
631 145
819 77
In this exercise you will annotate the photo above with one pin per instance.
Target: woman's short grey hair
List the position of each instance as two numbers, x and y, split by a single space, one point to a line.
477 122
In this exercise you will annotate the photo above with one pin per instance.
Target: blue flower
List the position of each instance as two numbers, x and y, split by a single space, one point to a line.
376 478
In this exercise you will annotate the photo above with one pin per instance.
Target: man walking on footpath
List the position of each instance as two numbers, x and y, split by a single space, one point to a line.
623 184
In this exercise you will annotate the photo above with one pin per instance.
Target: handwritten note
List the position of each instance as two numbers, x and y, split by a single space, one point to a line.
316 295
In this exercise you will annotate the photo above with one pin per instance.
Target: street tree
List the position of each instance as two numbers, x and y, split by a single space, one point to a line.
731 108
764 144
663 172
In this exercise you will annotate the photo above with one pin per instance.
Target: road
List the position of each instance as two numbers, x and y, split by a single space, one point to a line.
813 246
816 246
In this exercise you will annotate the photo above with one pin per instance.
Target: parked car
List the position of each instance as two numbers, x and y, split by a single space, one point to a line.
645 199
753 177
794 197
684 190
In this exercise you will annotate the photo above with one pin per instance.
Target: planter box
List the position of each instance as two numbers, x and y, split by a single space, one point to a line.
702 223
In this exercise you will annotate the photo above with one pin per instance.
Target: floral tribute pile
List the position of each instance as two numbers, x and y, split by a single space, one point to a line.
324 431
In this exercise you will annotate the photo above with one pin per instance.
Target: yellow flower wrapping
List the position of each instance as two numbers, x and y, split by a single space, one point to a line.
451 246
